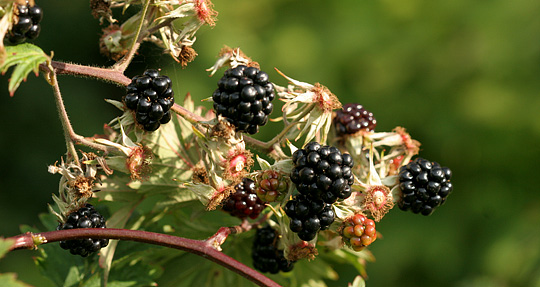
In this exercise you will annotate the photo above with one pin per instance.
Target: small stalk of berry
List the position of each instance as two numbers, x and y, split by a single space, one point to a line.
322 172
353 118
265 254
244 201
244 97
85 217
271 186
27 25
358 232
150 97
424 186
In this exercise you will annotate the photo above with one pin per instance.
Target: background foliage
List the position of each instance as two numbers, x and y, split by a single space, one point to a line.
461 76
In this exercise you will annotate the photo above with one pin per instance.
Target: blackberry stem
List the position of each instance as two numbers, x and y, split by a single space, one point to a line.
122 65
64 119
69 134
197 247
105 74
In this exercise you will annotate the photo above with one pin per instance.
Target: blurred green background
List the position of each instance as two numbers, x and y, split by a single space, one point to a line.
462 76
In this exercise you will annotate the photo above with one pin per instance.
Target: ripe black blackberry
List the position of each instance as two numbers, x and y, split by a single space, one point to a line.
244 97
424 186
308 216
244 202
266 256
352 118
85 217
26 26
151 97
322 172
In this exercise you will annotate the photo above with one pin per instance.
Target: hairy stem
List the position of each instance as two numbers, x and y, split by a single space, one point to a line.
64 119
122 65
104 74
198 247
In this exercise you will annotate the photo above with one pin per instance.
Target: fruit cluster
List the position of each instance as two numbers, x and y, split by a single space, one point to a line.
85 217
424 186
358 232
151 97
266 256
270 186
308 216
27 25
244 201
322 172
244 97
352 118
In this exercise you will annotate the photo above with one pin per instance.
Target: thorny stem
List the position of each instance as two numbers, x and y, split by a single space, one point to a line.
122 65
198 247
70 136
104 74
62 114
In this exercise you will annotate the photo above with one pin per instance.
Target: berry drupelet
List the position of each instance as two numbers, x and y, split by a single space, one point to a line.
85 217
424 186
353 118
266 256
244 97
151 97
244 202
27 25
322 172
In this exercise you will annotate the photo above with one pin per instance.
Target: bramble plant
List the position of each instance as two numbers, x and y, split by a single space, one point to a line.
166 175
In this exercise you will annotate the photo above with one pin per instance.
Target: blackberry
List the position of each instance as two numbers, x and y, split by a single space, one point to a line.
424 186
322 172
352 118
244 97
358 232
270 186
150 97
266 256
27 23
244 202
85 217
308 216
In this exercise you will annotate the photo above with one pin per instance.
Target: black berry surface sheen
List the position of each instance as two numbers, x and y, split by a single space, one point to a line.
424 186
151 97
352 118
322 175
26 26
244 202
266 256
85 217
244 97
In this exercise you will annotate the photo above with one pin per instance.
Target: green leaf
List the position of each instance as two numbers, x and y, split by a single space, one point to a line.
358 282
10 280
5 244
26 58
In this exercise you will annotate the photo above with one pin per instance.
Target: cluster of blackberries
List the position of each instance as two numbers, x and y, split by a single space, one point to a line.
322 174
424 186
308 216
244 202
352 118
266 256
27 25
151 97
244 97
85 217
